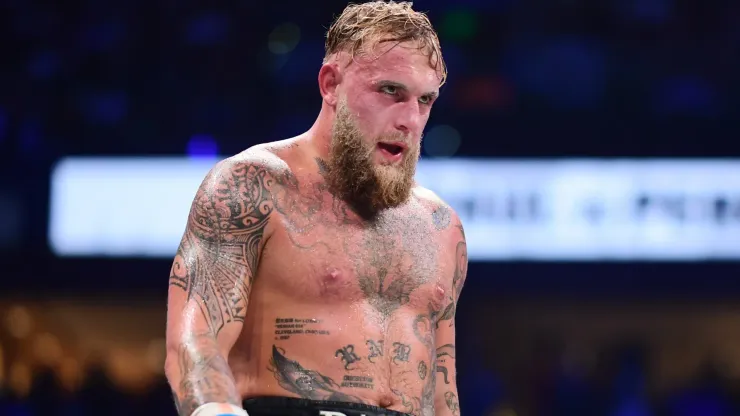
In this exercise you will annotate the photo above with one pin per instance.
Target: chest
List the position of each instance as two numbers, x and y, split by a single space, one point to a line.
324 253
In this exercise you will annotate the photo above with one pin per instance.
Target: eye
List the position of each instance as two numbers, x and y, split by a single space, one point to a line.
389 89
425 99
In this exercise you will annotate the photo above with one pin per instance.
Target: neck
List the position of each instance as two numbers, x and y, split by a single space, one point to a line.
319 135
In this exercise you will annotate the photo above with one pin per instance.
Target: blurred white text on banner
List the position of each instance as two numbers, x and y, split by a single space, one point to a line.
563 210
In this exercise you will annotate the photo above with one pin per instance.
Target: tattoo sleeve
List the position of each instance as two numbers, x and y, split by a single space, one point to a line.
211 278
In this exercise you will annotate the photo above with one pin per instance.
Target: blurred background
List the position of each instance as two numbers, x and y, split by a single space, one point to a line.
590 147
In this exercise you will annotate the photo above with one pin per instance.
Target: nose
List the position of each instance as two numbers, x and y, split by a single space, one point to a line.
409 119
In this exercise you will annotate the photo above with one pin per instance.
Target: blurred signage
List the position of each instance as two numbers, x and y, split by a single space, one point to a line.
564 210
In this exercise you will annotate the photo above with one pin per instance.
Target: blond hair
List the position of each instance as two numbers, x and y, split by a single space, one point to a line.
375 22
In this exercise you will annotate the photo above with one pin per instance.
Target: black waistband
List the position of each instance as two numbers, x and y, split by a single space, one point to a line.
291 406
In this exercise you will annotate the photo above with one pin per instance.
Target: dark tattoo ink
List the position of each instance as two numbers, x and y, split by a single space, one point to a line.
424 331
358 382
410 405
448 314
219 251
423 327
390 253
458 280
400 352
452 403
205 375
376 349
441 217
348 356
306 383
444 353
394 260
422 370
461 268
288 327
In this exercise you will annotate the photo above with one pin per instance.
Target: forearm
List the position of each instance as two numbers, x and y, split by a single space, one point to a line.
199 373
446 402
445 398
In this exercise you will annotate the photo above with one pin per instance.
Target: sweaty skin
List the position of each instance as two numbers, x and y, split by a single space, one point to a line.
279 288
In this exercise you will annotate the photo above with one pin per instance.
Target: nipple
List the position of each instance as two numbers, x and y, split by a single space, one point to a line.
333 275
440 291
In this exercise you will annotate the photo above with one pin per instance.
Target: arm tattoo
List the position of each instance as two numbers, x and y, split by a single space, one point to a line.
204 375
452 403
217 258
444 352
458 280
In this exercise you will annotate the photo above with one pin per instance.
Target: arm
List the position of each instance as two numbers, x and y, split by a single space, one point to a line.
210 281
446 397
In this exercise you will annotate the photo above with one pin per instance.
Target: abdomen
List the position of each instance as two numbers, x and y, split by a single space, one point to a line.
337 351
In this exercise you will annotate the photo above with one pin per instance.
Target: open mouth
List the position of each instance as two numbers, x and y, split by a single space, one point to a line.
393 149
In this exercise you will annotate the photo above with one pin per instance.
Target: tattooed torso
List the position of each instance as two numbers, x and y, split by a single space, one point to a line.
344 308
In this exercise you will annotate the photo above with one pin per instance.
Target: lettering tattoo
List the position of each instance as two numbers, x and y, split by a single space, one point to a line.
218 254
445 353
348 356
400 352
309 384
422 370
205 375
358 382
288 327
376 349
452 403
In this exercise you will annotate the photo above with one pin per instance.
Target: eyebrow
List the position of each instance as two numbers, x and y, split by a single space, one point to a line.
389 83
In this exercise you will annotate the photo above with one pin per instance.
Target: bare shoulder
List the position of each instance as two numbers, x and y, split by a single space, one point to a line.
443 215
448 223
236 194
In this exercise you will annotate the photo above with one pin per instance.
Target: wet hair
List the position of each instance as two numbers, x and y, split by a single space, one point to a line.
368 24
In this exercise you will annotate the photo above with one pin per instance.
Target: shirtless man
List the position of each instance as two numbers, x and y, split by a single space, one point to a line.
314 276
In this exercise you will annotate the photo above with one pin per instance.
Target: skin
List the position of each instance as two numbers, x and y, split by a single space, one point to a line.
280 289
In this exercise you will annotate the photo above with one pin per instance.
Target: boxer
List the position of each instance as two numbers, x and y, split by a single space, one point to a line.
314 276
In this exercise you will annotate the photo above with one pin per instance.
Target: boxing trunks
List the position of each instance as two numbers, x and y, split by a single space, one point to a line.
289 406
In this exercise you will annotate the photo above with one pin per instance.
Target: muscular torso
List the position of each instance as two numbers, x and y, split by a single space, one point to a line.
343 308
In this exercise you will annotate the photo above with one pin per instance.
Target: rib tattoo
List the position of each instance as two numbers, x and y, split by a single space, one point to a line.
309 384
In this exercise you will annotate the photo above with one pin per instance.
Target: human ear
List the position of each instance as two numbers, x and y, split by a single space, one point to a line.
330 77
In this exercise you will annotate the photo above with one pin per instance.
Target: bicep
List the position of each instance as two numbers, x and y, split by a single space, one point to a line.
217 259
